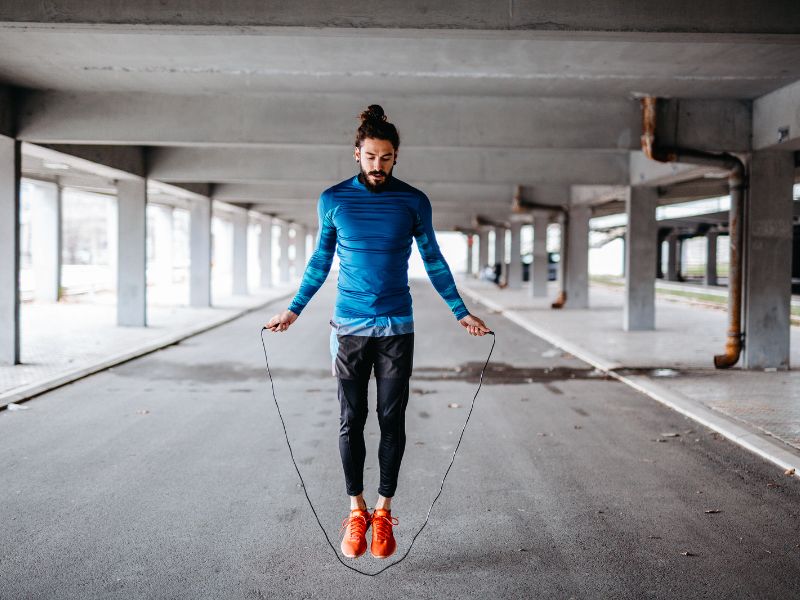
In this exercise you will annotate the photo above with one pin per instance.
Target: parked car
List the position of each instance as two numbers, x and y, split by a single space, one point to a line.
552 265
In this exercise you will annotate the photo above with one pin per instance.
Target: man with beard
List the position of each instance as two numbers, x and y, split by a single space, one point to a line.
369 220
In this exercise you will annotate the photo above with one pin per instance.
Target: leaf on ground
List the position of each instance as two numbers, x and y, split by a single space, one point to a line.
144 411
712 511
789 471
671 434
454 405
688 554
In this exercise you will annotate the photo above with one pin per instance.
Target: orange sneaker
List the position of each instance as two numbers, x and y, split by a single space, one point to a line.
383 542
354 542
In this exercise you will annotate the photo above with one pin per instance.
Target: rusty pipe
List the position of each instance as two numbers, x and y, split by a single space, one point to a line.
736 184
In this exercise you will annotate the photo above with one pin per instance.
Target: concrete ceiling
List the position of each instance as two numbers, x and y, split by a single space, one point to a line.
259 100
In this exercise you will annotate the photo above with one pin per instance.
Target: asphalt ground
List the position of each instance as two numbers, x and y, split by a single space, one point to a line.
169 477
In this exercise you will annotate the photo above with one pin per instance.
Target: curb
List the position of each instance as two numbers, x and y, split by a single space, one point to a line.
774 451
35 389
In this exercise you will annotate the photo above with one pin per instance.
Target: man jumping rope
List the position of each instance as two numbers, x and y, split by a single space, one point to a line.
369 220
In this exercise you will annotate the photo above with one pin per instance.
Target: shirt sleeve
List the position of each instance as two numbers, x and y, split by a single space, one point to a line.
435 264
319 265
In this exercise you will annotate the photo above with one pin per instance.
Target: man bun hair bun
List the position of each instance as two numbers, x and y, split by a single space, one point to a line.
375 125
374 112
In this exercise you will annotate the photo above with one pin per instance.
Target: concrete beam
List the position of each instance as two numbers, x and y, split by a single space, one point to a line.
716 16
132 252
326 119
10 174
8 106
776 119
703 124
111 162
415 165
645 171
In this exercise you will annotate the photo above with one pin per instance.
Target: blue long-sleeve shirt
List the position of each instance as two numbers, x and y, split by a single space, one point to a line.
371 233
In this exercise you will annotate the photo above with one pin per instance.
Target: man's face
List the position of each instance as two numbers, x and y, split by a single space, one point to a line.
376 158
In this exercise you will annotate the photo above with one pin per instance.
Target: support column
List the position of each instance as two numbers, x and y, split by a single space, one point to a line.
515 266
283 259
46 241
711 257
500 250
540 268
300 233
483 250
10 174
641 239
768 268
576 272
265 252
132 252
240 223
673 257
200 253
162 242
468 238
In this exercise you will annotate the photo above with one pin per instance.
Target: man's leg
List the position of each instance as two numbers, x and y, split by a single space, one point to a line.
392 402
353 416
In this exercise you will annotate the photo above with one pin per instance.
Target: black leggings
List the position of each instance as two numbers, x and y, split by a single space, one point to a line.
392 358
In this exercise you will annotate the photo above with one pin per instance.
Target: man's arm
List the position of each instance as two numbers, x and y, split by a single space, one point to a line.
319 265
435 264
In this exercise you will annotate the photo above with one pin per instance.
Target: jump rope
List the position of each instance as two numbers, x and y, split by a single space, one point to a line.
303 483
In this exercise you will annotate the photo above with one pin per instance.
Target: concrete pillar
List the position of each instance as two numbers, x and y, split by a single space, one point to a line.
132 252
265 252
283 259
240 222
576 269
539 274
162 244
46 241
515 266
200 253
640 259
468 239
673 257
10 174
500 250
300 235
768 264
659 255
483 250
711 257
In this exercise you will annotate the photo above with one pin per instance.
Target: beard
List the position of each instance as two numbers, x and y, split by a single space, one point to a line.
374 187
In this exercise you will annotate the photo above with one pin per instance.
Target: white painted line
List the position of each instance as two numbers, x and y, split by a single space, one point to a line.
774 451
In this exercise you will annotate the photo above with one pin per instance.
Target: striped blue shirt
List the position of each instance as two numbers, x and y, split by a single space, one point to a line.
372 235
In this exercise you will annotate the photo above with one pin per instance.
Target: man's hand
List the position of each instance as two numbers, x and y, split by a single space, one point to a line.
474 325
281 321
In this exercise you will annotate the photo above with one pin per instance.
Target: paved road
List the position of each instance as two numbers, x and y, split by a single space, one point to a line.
168 477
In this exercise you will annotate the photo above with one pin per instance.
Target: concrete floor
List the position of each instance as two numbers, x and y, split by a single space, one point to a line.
168 477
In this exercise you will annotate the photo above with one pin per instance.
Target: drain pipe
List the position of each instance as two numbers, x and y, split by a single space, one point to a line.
518 205
737 185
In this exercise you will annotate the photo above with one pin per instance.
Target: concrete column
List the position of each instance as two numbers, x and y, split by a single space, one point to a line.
483 250
768 265
539 268
10 174
162 244
300 235
200 253
515 266
711 257
240 222
673 257
265 252
283 259
576 269
132 252
46 241
659 255
500 250
468 239
640 259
